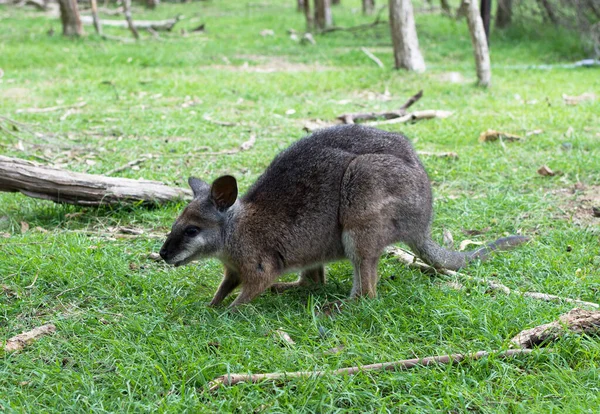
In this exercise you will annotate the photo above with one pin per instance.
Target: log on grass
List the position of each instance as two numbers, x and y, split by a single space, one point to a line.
157 25
576 321
61 186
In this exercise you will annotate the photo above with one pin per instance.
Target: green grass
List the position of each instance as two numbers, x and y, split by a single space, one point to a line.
136 335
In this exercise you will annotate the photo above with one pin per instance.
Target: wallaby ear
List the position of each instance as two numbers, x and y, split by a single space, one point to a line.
223 192
198 186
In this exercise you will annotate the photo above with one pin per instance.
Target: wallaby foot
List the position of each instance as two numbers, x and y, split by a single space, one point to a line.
231 280
308 278
332 307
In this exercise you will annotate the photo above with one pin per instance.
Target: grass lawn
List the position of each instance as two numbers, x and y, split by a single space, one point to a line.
136 335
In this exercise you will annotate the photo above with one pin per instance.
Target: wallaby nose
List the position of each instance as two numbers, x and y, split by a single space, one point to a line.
163 253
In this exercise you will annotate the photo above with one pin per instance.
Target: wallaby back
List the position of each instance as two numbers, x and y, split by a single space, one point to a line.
342 192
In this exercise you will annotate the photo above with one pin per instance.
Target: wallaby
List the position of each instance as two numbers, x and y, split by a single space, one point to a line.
344 192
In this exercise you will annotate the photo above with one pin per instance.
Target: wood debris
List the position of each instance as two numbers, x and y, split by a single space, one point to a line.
232 379
492 135
576 100
17 343
576 321
545 171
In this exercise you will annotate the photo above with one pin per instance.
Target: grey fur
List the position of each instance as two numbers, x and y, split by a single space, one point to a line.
342 192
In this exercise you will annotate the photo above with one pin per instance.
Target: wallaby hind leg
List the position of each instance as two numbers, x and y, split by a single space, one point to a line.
314 276
363 251
231 280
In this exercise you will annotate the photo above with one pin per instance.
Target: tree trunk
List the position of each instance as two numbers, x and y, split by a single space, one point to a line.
69 15
480 46
503 13
323 18
310 23
97 24
335 2
151 4
368 6
549 11
404 36
445 7
486 10
300 5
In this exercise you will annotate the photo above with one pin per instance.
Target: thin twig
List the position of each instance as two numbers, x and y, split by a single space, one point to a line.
372 57
411 260
49 109
352 117
232 379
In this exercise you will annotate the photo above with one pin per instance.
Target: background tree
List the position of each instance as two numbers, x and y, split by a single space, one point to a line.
69 15
323 17
503 13
368 6
404 36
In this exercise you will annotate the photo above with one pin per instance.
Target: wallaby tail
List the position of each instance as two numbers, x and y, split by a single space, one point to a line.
435 255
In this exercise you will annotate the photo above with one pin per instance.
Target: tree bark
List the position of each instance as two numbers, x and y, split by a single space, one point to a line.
486 11
504 13
323 17
480 46
69 15
61 186
97 24
127 13
368 6
310 22
300 5
445 7
151 4
404 36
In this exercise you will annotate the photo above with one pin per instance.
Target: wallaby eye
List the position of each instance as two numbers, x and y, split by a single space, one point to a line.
191 231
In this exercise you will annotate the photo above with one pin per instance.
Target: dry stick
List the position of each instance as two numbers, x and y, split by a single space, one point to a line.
129 164
350 118
97 23
158 25
232 379
44 110
372 57
411 260
414 116
127 13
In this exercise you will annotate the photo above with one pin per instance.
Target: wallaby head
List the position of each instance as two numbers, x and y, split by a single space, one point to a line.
198 231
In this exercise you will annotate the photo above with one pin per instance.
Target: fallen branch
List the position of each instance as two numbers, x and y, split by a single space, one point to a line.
372 57
414 116
576 321
96 19
352 117
50 109
411 260
17 343
61 186
232 379
158 25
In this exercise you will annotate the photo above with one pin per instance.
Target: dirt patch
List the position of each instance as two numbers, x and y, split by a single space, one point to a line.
258 64
578 202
